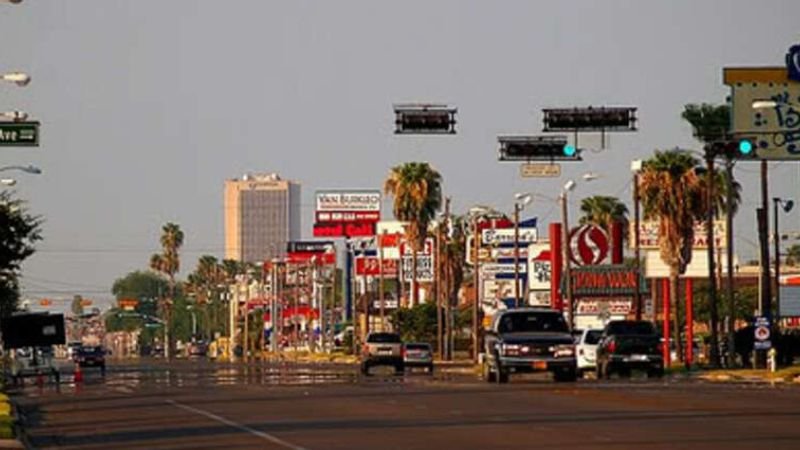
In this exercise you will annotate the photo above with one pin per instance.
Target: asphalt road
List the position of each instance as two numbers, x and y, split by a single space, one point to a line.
200 404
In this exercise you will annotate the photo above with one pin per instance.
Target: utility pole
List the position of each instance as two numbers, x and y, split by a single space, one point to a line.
712 275
477 284
446 275
567 262
729 243
437 284
381 287
516 254
636 167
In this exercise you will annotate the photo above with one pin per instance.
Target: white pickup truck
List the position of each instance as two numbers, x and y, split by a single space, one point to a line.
586 350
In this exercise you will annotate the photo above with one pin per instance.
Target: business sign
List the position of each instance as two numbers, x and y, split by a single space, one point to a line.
648 235
500 290
310 246
539 267
494 269
611 306
388 303
539 170
761 333
589 245
540 298
424 268
344 229
506 236
426 250
790 301
765 108
371 266
655 267
348 216
350 201
19 134
605 281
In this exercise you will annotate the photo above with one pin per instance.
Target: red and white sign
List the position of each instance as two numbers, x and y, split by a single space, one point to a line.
589 245
539 267
370 266
340 201
614 307
348 216
344 229
311 257
427 250
648 235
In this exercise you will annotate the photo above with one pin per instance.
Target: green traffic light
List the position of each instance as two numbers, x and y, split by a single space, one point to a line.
745 147
569 150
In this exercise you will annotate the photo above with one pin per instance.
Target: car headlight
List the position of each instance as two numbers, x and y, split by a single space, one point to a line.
563 350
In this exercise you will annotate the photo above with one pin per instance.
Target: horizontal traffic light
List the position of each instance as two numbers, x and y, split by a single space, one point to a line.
590 119
537 148
732 148
424 119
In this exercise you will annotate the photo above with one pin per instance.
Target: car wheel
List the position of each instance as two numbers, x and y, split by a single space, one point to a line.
365 369
565 375
430 369
655 373
625 372
399 369
486 372
502 375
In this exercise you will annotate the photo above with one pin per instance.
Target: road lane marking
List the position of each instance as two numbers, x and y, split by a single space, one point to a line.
238 426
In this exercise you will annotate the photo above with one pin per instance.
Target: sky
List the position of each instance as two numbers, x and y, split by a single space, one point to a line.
147 106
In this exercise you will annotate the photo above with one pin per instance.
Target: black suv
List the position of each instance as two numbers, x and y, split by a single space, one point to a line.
629 344
529 340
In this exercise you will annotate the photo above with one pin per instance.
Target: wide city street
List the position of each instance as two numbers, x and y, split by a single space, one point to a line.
203 404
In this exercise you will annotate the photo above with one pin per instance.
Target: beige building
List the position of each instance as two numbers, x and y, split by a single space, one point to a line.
262 213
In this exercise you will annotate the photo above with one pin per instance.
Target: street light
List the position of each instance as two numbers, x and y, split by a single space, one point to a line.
18 78
8 181
568 186
786 205
14 116
27 169
522 200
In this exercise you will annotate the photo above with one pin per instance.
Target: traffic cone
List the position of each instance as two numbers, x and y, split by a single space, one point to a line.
78 373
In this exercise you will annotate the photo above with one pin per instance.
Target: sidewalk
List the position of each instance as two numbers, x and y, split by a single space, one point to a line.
786 375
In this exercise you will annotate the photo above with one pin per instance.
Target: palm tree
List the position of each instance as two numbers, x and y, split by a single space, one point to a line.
417 191
711 123
604 211
672 192
168 263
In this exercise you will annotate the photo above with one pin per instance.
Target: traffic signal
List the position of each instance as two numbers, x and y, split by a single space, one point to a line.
732 148
537 148
424 119
590 119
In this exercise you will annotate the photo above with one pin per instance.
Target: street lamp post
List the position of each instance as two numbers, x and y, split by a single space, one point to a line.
786 205
522 200
568 186
636 168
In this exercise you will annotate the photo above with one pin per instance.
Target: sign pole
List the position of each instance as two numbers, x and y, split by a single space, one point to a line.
476 282
380 274
516 254
636 245
567 264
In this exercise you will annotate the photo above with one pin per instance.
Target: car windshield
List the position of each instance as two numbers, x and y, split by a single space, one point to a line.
630 328
384 338
593 337
532 322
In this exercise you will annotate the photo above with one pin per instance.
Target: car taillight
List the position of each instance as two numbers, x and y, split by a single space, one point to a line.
612 346
365 348
403 352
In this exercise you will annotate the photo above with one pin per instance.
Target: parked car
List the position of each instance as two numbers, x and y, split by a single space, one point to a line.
197 349
91 356
418 354
382 349
586 350
529 340
627 345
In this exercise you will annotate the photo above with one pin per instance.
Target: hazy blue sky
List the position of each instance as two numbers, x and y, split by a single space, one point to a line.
148 105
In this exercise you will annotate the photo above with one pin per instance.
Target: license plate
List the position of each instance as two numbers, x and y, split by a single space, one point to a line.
540 365
638 358
384 352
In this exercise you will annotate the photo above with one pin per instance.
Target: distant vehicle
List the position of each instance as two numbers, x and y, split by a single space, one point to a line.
418 354
91 356
382 349
31 361
626 345
586 350
197 349
529 340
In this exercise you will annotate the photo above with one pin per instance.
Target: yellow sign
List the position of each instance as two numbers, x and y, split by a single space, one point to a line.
533 170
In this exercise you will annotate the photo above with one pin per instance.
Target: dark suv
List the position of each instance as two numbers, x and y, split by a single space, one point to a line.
529 340
382 349
626 345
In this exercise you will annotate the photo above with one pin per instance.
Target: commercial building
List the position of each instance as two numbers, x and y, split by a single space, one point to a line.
262 214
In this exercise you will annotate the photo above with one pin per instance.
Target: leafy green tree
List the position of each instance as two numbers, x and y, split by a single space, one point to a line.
417 323
144 286
793 255
604 211
19 231
672 193
417 191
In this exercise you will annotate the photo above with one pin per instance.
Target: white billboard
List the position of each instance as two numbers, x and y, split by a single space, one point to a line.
648 235
654 267
348 201
539 267
493 236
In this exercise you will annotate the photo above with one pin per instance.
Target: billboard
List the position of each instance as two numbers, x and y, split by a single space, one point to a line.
498 236
648 235
424 268
371 266
349 201
32 330
344 229
539 267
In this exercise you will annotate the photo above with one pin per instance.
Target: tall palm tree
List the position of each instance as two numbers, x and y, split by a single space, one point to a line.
604 211
712 123
417 191
168 263
672 193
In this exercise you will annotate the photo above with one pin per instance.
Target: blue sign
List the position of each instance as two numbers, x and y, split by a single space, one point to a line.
793 62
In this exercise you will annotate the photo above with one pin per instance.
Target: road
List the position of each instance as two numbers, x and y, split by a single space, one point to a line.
201 404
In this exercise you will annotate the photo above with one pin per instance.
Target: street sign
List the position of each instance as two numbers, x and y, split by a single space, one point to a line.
762 333
588 245
370 265
765 110
533 170
19 134
506 236
494 269
424 268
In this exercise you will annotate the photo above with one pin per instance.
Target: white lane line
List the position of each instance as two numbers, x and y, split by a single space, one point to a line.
239 426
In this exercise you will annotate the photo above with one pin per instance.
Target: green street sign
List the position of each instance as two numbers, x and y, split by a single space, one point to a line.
19 134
